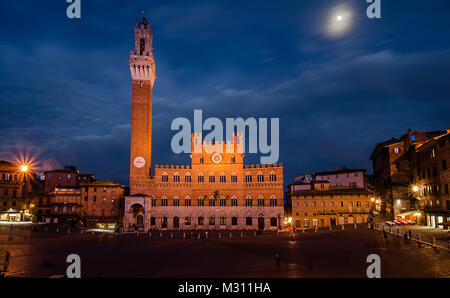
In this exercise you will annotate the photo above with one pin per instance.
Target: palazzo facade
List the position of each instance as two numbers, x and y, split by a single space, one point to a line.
216 191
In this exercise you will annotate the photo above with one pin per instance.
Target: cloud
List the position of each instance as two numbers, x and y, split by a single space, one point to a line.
65 86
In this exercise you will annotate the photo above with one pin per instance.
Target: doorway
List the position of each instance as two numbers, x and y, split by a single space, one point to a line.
261 223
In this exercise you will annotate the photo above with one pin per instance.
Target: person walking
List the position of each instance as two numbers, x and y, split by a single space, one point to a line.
277 261
6 264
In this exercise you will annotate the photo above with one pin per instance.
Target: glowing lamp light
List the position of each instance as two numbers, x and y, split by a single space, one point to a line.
415 188
417 214
372 199
24 168
290 219
339 18
377 201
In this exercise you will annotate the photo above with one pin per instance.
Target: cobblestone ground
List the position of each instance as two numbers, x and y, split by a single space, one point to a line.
337 253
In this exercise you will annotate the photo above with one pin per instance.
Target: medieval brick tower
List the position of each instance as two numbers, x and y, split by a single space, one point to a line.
142 67
179 196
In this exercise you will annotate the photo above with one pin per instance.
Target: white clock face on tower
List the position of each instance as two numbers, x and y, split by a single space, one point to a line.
216 157
139 162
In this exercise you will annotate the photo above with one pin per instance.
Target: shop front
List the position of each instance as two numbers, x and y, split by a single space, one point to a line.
11 215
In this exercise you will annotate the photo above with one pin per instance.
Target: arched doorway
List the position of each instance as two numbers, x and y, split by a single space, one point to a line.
176 222
139 220
261 223
137 213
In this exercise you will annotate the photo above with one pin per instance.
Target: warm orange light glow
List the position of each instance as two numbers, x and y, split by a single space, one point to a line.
24 168
415 188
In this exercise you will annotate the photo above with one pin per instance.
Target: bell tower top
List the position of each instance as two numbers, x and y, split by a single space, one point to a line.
142 64
143 36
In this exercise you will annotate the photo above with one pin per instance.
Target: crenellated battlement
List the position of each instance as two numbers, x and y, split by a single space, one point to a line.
174 167
260 166
236 145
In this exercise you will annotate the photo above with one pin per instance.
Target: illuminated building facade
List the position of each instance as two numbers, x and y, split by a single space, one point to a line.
216 191
431 180
100 204
321 205
65 205
393 172
18 190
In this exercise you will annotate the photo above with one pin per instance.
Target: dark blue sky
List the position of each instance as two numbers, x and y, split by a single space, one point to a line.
65 87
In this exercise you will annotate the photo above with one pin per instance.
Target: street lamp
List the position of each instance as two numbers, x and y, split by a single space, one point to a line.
415 188
24 168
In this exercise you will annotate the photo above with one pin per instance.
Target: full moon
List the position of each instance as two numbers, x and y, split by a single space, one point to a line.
339 20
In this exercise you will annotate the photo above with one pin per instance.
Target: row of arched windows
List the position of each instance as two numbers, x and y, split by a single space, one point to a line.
211 201
188 221
222 178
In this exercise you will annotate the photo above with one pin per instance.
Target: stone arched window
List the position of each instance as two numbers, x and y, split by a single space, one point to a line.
201 178
223 201
260 201
234 201
187 178
223 178
164 201
165 177
212 178
273 221
142 46
273 201
223 221
248 177
187 221
176 201
187 201
248 201
272 177
233 177
176 177
260 177
201 220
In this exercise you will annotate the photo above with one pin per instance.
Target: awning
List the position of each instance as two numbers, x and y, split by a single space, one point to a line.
407 213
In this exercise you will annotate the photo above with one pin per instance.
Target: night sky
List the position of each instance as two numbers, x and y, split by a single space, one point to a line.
65 86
